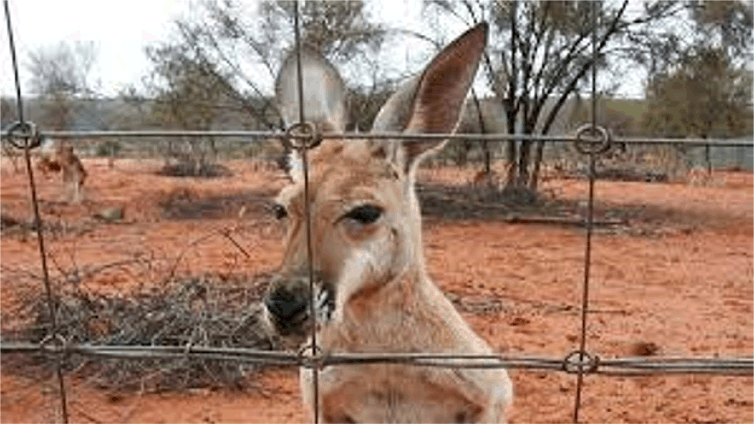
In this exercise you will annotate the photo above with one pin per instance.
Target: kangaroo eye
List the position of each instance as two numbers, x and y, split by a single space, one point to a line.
366 214
279 211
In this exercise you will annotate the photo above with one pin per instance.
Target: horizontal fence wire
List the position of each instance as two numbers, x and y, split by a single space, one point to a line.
627 366
417 138
579 362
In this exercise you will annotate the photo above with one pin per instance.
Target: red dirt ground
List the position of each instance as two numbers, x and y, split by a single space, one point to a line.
679 277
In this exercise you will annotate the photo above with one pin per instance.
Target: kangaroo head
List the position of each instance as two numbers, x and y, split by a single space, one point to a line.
365 221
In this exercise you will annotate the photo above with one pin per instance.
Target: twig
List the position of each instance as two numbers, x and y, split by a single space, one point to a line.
226 233
125 416
86 414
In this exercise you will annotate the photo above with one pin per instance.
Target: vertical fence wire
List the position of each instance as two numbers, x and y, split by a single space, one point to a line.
307 213
37 217
54 336
589 224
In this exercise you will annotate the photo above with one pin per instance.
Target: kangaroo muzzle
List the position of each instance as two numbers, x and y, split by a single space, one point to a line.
288 301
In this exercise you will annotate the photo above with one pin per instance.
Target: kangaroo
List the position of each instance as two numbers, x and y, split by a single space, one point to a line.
64 160
373 291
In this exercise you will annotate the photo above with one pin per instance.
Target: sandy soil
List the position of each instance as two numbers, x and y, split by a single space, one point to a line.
678 276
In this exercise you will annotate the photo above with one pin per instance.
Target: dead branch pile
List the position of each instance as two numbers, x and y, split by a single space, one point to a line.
192 168
201 311
467 202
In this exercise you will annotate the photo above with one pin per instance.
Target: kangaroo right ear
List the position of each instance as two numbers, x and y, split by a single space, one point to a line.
432 102
324 91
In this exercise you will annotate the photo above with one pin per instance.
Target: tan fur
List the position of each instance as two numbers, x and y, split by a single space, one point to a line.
384 301
47 165
65 160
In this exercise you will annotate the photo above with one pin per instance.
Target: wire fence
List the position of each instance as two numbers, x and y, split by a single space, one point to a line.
629 366
264 136
590 140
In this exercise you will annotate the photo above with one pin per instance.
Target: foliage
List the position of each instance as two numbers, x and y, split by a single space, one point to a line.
703 97
243 55
186 89
623 117
706 91
8 110
62 69
59 75
339 29
726 24
108 148
220 62
541 54
365 102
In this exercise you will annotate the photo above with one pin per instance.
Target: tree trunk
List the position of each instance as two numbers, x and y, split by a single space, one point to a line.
462 154
538 154
213 147
482 130
523 163
487 157
510 179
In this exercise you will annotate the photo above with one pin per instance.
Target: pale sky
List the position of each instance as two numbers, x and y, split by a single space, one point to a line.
121 29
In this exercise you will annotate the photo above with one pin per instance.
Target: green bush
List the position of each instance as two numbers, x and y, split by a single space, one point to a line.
109 148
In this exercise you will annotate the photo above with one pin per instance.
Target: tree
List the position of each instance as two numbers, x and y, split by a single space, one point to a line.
704 95
8 113
540 55
244 54
237 58
60 75
186 92
725 24
706 90
8 109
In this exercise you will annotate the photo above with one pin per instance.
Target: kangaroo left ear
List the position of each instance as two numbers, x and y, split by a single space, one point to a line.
432 102
324 95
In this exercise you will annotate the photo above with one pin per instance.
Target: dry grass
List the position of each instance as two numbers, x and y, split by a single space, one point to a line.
202 311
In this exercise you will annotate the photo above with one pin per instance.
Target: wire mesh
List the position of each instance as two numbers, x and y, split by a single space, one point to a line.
252 136
627 366
580 362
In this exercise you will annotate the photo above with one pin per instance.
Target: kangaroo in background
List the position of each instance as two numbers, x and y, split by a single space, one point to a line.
373 291
63 159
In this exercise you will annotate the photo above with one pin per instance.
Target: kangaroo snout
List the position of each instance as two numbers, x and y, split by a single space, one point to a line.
288 299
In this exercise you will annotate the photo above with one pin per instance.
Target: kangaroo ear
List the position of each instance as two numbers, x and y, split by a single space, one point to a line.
324 91
433 101
324 98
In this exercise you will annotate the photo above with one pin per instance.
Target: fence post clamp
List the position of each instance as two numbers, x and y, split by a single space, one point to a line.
597 139
303 135
24 130
53 343
315 360
580 362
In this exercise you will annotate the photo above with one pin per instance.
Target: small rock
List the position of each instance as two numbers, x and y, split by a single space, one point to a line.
644 348
114 398
7 221
110 214
519 321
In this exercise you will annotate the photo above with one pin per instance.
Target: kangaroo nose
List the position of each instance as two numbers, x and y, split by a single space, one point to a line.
287 301
284 304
